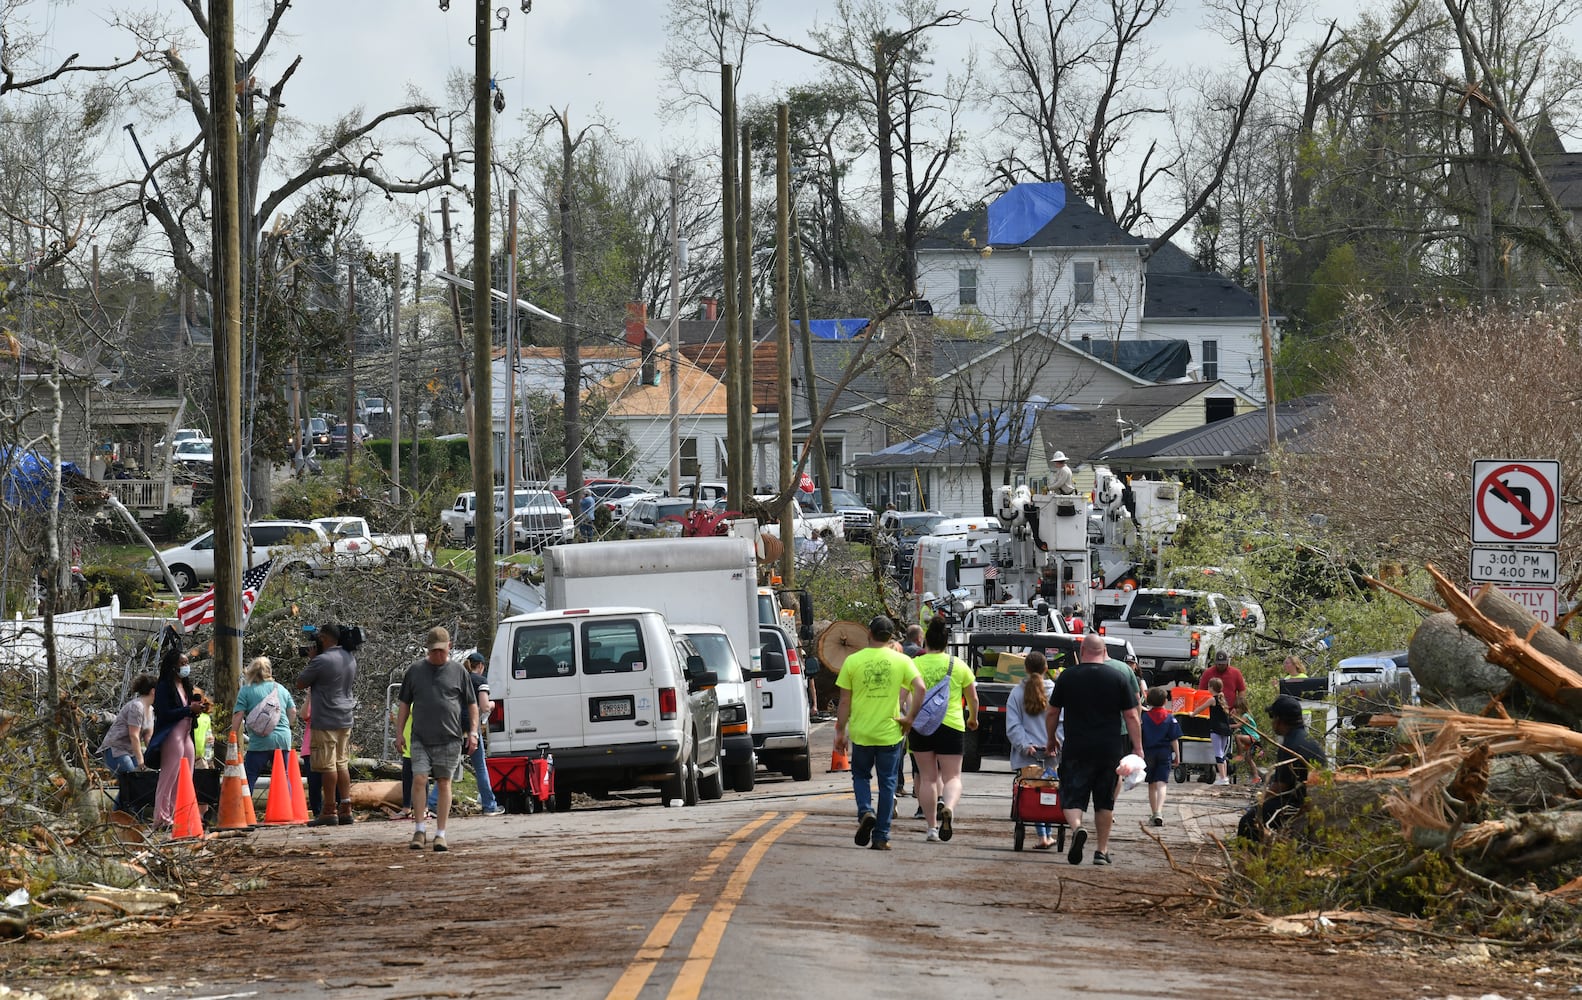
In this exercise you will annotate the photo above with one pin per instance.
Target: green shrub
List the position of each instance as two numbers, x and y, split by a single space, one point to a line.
134 587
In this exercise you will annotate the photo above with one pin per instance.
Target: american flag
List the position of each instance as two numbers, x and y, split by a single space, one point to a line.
991 573
199 609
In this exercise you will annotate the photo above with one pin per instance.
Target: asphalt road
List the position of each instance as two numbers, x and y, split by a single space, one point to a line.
757 895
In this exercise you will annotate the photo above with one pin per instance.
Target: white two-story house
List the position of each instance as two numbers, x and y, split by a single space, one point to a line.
1038 258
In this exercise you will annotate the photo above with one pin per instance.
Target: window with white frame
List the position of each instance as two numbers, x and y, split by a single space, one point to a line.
967 286
1210 360
1084 274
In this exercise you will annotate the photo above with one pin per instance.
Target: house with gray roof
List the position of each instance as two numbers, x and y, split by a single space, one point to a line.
1238 442
1040 257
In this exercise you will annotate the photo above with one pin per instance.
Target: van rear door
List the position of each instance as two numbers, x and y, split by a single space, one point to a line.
624 700
540 693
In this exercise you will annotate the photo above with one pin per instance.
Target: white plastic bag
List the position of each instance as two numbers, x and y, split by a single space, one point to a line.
1132 769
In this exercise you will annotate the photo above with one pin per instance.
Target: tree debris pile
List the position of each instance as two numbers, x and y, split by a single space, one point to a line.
1472 827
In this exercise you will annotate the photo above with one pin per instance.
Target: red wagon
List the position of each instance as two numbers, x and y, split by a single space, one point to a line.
1037 800
524 784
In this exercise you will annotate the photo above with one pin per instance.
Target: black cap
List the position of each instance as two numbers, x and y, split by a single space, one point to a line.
881 627
1286 709
476 657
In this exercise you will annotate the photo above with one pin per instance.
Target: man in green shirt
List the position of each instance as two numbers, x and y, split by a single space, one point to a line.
872 682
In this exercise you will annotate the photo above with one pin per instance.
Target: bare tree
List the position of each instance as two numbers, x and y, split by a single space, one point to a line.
701 36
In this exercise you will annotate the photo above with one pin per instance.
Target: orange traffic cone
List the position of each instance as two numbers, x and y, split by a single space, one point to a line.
838 761
188 820
299 797
236 804
278 810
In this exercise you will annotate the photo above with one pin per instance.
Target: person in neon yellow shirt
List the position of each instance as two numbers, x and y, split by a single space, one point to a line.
939 753
872 682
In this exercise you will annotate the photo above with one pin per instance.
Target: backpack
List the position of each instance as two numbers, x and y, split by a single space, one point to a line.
265 716
935 702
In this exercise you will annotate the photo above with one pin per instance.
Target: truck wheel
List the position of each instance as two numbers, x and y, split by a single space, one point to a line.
971 756
690 798
712 788
743 775
802 768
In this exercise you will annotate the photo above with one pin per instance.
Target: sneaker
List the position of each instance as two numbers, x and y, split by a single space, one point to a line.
879 845
939 809
1157 820
347 820
945 832
496 811
1221 781
1079 840
933 836
1100 858
419 840
439 844
327 820
918 814
865 829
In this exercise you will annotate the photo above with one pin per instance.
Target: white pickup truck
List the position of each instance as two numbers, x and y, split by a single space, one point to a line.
1177 632
805 525
357 546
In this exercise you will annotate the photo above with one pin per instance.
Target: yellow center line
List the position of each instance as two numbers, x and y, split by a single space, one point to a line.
689 983
653 948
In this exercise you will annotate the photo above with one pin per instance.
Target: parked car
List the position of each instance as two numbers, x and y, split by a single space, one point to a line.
659 516
338 437
783 744
194 450
615 695
736 695
709 492
896 536
302 547
356 546
180 435
315 433
856 516
538 519
561 493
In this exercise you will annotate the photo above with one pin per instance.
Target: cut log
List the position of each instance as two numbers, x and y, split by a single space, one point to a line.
1450 665
373 794
1503 611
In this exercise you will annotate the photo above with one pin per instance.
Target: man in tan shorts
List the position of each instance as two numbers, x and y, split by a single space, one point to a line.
330 676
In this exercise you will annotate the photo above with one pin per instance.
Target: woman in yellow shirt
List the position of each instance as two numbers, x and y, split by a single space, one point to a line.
938 754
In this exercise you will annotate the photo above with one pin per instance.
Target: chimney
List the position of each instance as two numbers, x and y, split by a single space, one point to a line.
636 323
710 310
650 372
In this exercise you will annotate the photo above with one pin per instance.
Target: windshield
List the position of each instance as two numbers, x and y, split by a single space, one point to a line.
1171 606
845 498
677 508
195 448
915 525
716 652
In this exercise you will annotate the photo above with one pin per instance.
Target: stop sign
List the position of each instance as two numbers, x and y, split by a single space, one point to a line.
805 484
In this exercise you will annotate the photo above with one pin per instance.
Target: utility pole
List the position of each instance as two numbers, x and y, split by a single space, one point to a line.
735 406
510 383
674 336
1268 348
227 289
783 339
461 335
351 371
417 308
810 388
395 386
744 302
482 332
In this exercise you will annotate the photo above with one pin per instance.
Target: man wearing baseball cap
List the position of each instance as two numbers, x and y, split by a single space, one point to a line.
872 682
438 696
1287 788
1234 683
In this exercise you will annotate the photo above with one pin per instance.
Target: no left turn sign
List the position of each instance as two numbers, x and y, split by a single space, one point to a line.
1515 502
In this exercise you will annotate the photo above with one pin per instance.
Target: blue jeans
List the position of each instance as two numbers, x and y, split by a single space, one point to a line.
864 761
479 768
256 762
119 764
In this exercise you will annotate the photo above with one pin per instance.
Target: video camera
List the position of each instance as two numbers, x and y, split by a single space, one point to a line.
351 639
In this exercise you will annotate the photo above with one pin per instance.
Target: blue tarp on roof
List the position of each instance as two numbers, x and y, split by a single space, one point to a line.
26 477
1017 215
992 424
835 329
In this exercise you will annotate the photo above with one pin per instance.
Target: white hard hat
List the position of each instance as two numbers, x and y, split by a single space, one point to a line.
1058 456
928 596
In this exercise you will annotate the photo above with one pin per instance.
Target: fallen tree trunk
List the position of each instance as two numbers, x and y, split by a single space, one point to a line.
1503 611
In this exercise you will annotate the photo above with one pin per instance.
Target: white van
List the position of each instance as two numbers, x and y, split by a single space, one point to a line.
782 744
737 698
618 698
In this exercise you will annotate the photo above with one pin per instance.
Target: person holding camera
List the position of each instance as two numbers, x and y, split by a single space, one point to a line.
330 677
439 697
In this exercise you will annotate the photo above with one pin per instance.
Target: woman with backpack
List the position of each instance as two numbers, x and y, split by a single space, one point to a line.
938 751
265 713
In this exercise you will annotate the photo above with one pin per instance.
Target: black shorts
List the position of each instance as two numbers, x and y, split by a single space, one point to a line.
943 740
1085 778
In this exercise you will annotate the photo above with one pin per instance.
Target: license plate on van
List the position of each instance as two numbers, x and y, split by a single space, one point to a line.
613 709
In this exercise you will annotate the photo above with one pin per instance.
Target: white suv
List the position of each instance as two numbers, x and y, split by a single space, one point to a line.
301 545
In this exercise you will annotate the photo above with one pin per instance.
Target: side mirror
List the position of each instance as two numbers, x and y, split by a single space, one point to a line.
695 665
702 679
774 665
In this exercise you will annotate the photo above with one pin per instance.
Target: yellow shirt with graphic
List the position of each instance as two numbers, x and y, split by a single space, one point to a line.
876 677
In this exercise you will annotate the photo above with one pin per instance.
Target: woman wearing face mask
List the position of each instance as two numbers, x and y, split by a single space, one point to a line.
172 741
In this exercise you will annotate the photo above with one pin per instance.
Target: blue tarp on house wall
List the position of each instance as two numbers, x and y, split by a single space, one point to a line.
1017 215
26 476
